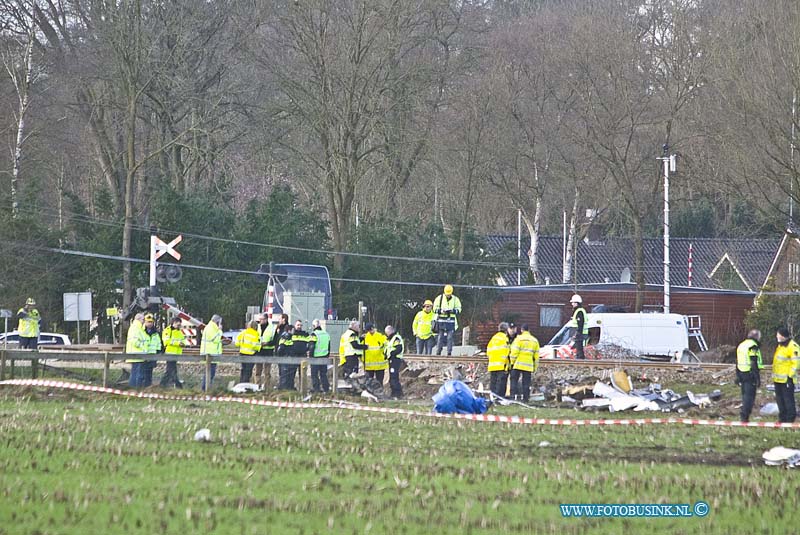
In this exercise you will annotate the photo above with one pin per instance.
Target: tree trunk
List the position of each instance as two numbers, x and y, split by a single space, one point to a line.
23 92
571 236
130 198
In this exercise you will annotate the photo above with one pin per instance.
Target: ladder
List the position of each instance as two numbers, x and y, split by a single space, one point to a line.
695 331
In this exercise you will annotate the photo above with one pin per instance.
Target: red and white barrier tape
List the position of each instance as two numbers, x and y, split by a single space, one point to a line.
390 410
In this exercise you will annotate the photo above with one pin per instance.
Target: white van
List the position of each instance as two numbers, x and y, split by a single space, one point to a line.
661 336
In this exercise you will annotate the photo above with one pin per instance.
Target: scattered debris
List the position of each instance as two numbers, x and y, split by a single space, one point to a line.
544 444
457 397
779 456
243 388
770 409
203 435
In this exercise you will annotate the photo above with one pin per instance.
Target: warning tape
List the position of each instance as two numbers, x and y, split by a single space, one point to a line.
391 410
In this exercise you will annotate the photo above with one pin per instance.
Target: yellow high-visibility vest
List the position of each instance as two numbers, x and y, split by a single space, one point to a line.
173 341
211 343
524 353
784 363
423 325
28 326
497 350
248 342
346 348
137 340
744 353
374 358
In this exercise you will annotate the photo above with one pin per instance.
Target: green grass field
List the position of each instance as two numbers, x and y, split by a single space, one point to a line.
77 463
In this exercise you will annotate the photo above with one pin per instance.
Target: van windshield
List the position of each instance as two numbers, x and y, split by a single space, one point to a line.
563 336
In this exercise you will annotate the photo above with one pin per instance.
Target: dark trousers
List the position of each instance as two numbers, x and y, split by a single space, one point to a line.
376 374
784 396
446 333
28 343
395 367
425 347
497 381
246 373
521 384
213 373
147 373
350 365
287 374
579 347
137 375
171 376
319 378
749 384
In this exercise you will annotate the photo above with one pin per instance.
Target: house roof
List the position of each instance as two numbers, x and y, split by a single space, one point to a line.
605 261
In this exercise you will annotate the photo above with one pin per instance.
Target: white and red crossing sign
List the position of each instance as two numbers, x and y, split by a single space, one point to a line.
160 247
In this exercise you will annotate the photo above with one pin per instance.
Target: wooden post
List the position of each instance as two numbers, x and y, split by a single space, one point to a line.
12 368
303 366
105 370
2 365
208 373
34 367
335 388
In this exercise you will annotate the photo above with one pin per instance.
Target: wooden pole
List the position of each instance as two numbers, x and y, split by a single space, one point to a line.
105 370
2 365
335 388
208 373
303 366
34 368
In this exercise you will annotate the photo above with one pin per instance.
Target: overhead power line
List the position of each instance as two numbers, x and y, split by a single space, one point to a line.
98 221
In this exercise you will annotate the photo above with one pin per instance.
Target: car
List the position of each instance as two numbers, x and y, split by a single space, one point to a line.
46 340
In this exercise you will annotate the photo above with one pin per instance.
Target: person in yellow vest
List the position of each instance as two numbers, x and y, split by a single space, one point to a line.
29 323
173 340
498 351
319 359
446 310
375 362
581 325
423 329
249 343
524 358
393 349
211 344
351 349
153 347
136 342
784 369
748 366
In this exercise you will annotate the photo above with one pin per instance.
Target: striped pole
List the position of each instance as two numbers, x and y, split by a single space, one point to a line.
270 300
690 264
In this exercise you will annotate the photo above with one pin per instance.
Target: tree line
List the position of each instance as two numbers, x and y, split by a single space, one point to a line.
385 127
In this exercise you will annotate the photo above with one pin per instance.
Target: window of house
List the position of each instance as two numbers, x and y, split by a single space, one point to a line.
550 316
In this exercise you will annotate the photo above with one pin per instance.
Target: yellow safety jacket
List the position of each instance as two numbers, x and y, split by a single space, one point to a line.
392 344
574 321
267 335
173 341
346 348
28 326
137 340
744 353
374 359
525 352
423 325
248 342
211 343
784 363
153 342
441 303
497 350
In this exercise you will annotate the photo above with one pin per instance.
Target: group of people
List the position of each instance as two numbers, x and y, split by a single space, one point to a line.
144 338
377 351
513 354
785 364
437 323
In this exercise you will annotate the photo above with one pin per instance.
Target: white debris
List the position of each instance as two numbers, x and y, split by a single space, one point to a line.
770 409
779 455
203 435
242 388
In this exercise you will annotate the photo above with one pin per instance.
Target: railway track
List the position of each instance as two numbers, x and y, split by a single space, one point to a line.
441 359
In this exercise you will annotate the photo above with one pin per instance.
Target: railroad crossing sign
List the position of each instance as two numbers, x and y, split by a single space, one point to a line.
161 247
157 249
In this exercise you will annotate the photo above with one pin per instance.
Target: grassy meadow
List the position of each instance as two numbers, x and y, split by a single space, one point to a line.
80 463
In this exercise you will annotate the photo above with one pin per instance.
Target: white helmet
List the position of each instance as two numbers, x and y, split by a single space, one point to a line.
576 299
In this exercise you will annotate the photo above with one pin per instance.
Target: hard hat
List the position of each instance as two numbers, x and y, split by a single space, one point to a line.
30 301
448 290
576 299
369 326
427 303
149 317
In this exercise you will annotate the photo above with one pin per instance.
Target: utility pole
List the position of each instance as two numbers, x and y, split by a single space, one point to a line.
669 166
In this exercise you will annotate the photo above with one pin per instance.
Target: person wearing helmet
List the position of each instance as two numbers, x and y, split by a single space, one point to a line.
423 329
446 309
28 328
153 347
580 324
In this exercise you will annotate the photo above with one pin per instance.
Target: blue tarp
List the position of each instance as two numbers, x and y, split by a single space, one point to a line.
456 397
